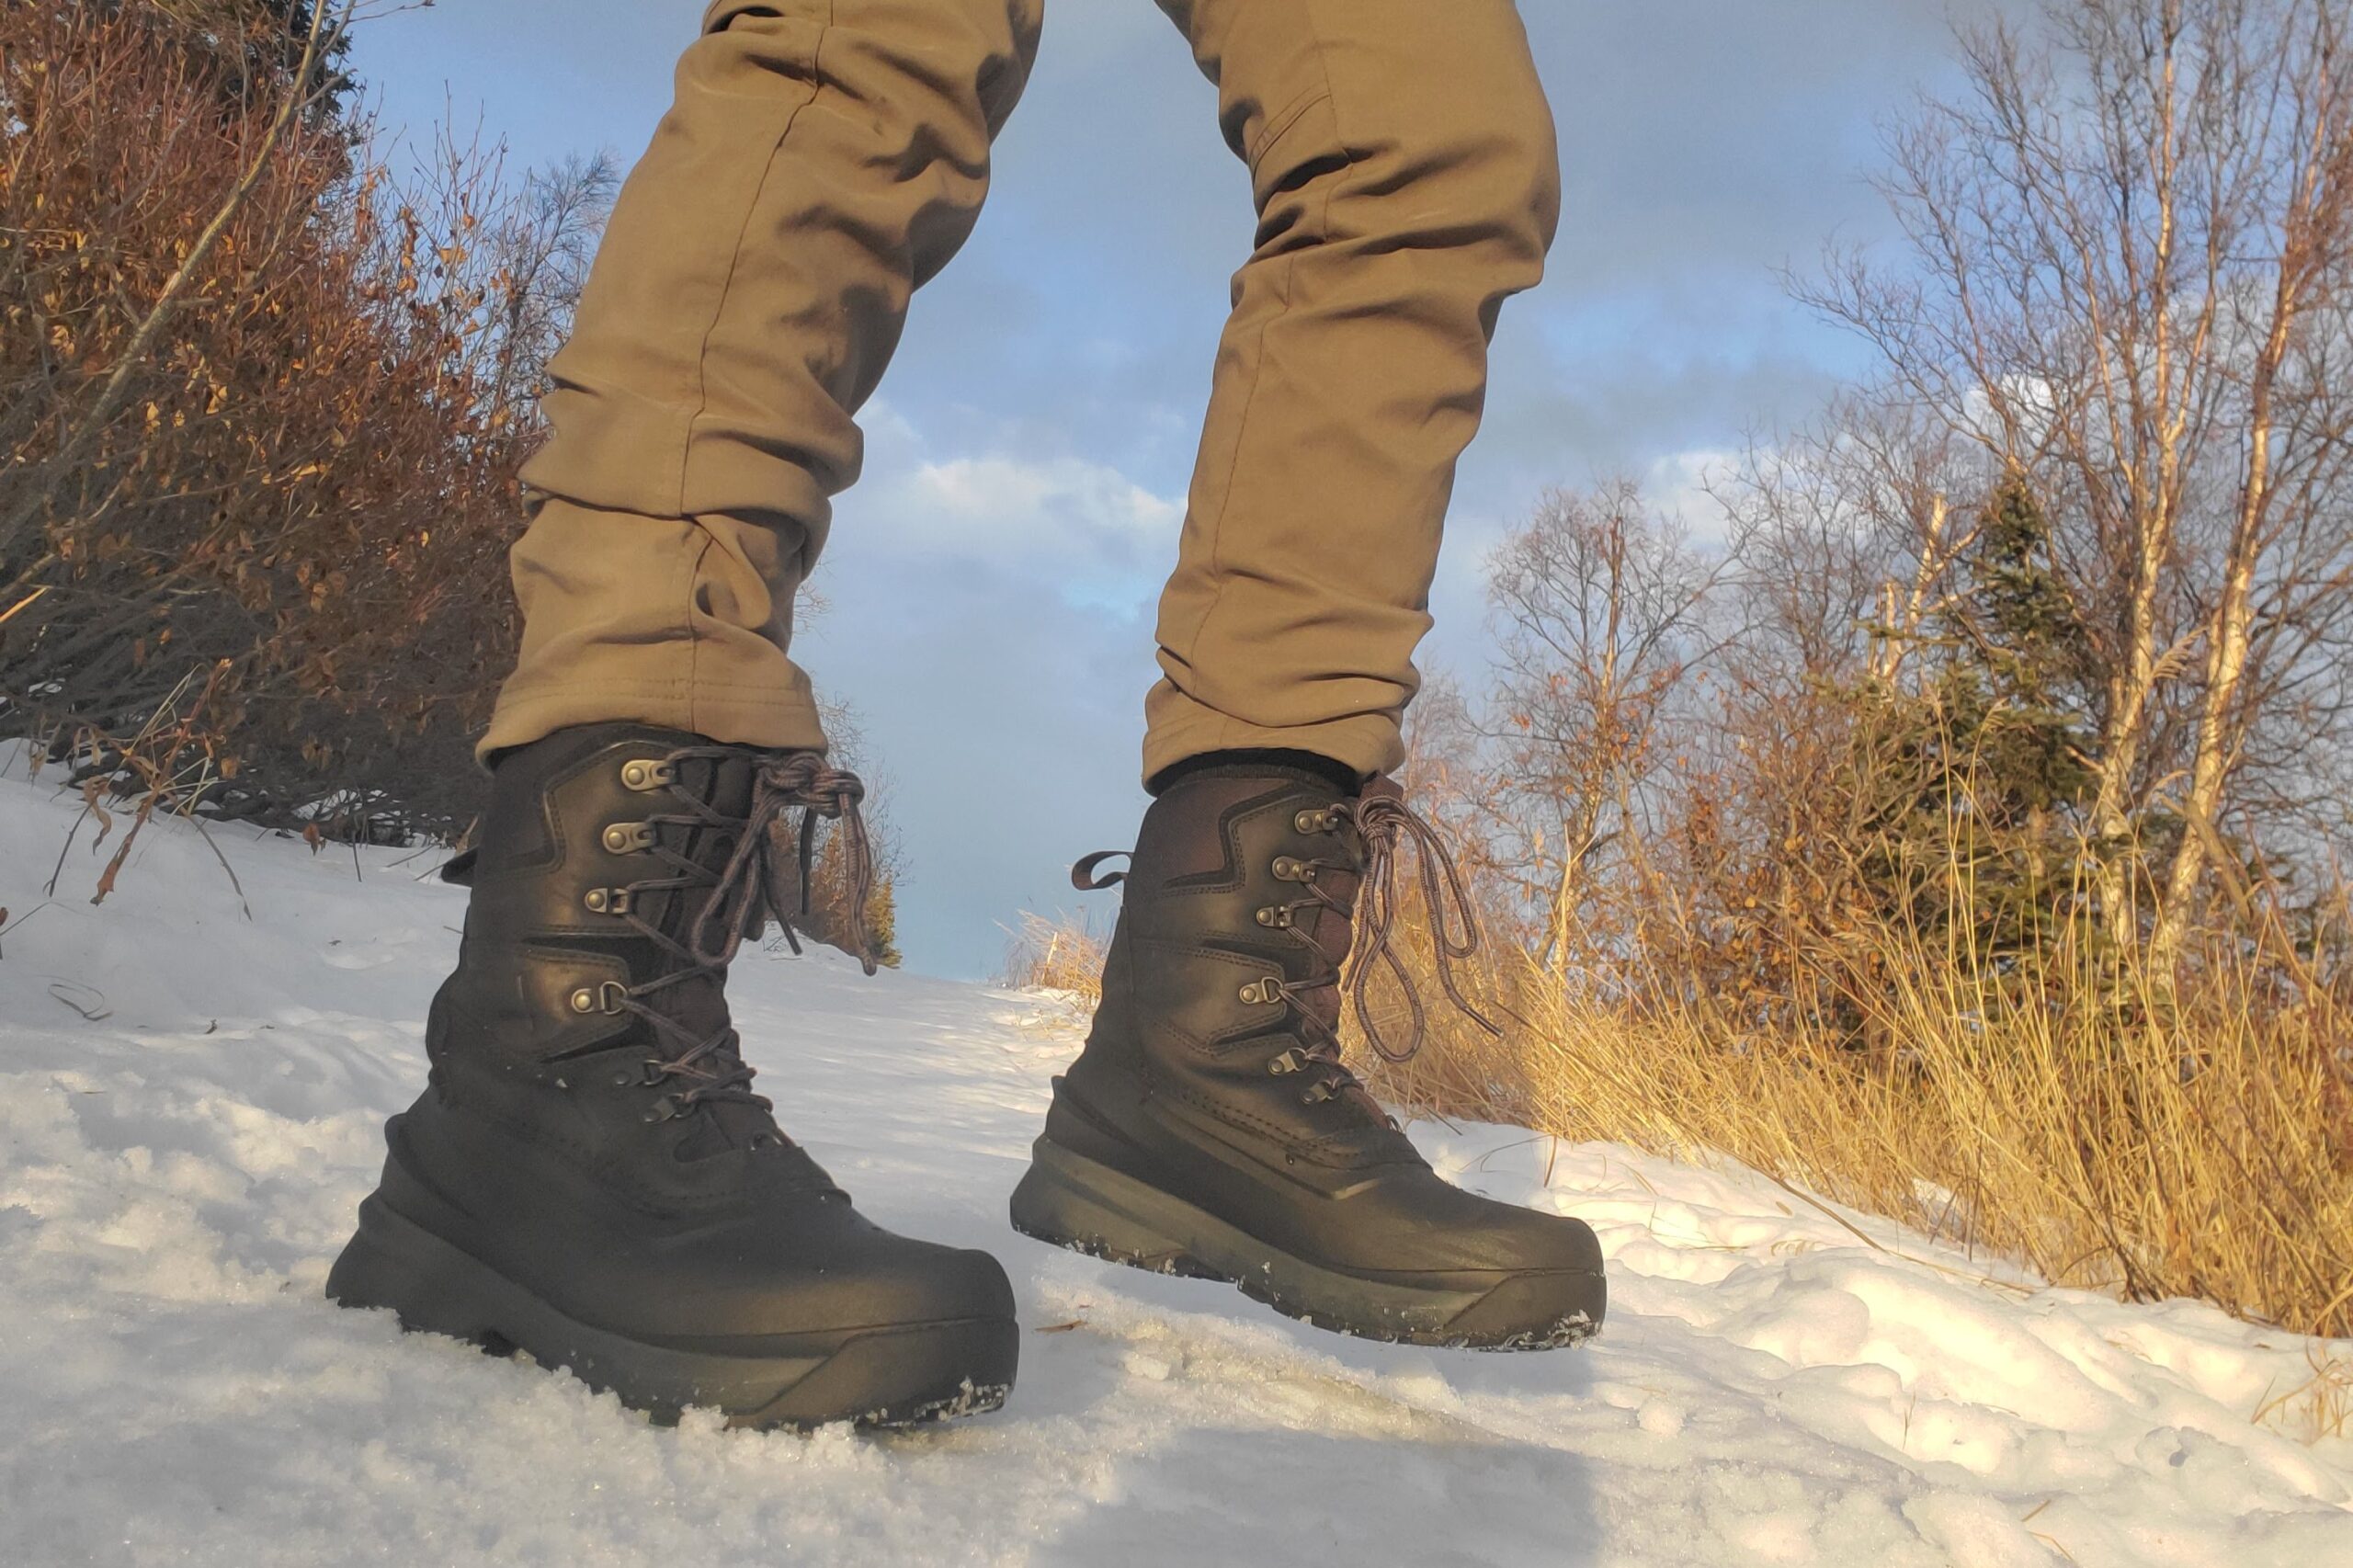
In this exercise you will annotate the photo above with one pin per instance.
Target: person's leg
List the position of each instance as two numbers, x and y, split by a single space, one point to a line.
589 1175
1401 158
823 159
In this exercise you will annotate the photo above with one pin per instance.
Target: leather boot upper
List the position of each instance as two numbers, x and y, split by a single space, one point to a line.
1221 990
1212 1072
590 1130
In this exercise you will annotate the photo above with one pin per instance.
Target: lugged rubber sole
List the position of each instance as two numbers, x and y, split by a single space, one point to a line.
1072 1202
901 1375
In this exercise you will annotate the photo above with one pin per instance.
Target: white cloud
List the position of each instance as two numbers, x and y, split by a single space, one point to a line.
1099 537
1678 486
1063 498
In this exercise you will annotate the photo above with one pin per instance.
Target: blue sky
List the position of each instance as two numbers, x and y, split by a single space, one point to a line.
990 585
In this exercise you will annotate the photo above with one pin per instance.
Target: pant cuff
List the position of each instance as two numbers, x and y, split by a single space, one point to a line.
727 717
1182 728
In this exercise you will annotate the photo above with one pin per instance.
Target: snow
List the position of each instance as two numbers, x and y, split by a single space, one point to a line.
1780 1381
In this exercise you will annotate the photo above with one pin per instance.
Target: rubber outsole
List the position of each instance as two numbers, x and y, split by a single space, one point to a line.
1072 1202
897 1375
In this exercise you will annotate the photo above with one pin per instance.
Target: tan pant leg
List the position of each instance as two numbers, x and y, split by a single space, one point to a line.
824 158
1401 156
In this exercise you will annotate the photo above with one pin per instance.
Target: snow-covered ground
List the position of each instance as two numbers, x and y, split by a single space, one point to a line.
177 1171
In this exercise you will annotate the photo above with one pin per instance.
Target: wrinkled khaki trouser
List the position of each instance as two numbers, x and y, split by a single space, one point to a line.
826 157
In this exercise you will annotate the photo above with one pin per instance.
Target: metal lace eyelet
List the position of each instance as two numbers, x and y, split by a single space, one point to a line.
604 997
1289 1062
1276 916
1318 1093
1290 869
664 1109
629 837
1264 993
607 901
645 774
1316 821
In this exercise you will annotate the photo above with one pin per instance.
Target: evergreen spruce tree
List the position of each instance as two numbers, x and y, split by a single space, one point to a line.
1978 763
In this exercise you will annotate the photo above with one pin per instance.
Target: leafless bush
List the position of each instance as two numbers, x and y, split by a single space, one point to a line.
264 404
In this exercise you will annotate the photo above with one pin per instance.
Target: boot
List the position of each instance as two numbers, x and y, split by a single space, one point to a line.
1210 1129
589 1175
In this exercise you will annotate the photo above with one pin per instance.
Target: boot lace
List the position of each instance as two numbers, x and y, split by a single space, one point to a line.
1383 822
742 895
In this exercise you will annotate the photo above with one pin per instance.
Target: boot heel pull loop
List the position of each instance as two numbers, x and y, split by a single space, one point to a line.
1083 877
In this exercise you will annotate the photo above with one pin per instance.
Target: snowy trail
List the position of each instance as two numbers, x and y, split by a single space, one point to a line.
176 1177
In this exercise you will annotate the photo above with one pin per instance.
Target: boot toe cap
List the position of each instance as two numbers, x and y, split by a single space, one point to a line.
1455 1229
924 1282
1555 1243
815 1279
1535 1311
892 1281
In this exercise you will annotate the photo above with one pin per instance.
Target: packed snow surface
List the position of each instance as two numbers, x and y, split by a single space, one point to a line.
190 1101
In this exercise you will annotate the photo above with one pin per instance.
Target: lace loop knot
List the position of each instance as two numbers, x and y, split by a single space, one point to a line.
741 896
1384 822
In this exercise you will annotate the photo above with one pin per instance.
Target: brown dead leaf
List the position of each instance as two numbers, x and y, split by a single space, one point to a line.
106 878
92 793
122 850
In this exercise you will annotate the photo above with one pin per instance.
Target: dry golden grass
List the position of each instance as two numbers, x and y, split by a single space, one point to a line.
2207 1156
2202 1148
1057 954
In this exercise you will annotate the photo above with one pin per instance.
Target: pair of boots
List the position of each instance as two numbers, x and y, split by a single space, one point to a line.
589 1176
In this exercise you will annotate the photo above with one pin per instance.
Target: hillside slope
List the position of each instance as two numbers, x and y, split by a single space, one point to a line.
1778 1383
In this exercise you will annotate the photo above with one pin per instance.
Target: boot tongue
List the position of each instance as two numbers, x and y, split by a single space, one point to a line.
698 1002
722 1125
724 1121
1335 932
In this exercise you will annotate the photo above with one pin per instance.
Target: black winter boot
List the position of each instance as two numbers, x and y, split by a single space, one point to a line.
589 1175
1210 1129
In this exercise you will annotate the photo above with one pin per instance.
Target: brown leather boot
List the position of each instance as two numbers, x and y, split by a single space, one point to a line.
1210 1127
589 1175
